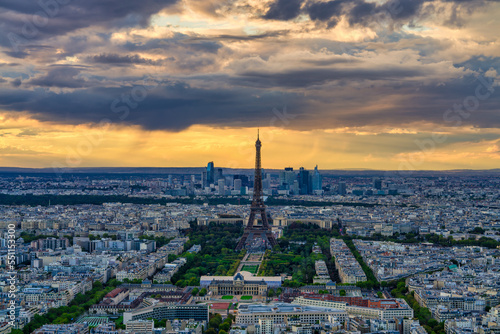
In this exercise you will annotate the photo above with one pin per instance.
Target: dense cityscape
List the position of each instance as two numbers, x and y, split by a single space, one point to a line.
249 167
226 251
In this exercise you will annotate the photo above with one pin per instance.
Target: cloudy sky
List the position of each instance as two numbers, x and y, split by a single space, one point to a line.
398 84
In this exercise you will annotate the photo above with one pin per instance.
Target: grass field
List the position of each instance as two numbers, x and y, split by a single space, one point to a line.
246 297
227 297
250 268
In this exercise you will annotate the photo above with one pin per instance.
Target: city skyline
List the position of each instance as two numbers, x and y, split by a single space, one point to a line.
366 84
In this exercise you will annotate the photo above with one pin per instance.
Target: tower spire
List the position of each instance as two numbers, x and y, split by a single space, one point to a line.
254 232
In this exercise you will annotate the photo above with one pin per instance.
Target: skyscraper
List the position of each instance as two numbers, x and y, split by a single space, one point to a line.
304 182
210 173
218 175
221 186
317 180
342 188
287 178
244 179
237 184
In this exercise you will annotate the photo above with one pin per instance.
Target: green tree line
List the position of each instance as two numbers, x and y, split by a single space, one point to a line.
67 314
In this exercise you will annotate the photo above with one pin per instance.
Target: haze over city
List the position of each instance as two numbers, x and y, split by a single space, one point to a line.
343 84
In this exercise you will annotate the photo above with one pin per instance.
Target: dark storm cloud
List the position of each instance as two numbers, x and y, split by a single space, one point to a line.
481 63
270 34
24 21
325 11
284 10
117 60
63 77
179 40
16 54
27 49
300 78
362 12
442 105
16 82
328 62
172 106
175 106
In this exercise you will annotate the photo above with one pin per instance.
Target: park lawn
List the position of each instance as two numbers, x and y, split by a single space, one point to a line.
227 297
250 268
246 297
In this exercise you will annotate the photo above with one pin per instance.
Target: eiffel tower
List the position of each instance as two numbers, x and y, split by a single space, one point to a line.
252 231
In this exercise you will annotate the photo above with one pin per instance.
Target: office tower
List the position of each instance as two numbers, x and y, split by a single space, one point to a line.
204 179
290 176
210 174
281 178
266 181
237 185
266 184
377 183
221 183
317 181
218 175
342 190
253 232
286 179
244 179
304 182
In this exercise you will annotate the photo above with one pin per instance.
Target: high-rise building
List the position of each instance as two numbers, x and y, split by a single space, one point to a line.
304 182
210 173
295 187
237 184
377 183
266 181
287 178
245 182
342 189
221 183
317 180
218 175
204 179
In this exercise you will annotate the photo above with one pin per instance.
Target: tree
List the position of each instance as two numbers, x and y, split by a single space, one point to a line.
215 321
342 293
224 327
270 293
477 230
432 323
195 291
